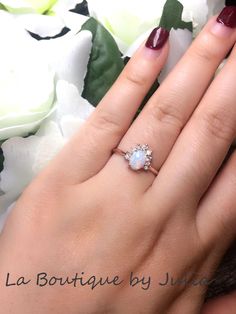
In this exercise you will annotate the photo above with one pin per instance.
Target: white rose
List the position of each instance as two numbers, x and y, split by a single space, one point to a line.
56 15
26 82
128 19
38 6
25 157
199 11
29 72
51 25
67 57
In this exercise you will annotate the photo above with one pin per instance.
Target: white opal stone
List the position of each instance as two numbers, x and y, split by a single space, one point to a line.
137 160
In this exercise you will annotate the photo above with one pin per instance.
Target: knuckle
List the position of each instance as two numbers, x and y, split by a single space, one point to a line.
134 76
106 121
218 124
166 113
207 49
38 197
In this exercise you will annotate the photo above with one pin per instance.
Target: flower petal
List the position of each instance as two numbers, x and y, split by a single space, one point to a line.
26 86
69 56
27 6
23 128
48 145
19 154
215 6
73 21
70 125
180 40
131 50
9 29
19 6
70 102
5 203
42 25
126 20
199 11
64 5
25 157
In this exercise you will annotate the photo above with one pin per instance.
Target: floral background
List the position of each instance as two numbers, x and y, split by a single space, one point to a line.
58 58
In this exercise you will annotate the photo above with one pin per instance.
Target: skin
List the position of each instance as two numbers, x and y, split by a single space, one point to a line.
87 211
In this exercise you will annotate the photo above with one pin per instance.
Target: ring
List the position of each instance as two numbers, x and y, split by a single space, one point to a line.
139 157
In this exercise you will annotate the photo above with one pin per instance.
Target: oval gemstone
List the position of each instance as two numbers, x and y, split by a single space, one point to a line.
137 160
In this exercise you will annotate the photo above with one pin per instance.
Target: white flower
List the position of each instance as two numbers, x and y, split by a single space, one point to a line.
180 40
42 25
26 6
56 17
38 6
199 11
66 58
128 19
61 6
23 74
29 70
51 25
4 216
25 157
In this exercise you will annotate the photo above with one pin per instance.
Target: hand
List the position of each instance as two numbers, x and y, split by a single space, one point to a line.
88 212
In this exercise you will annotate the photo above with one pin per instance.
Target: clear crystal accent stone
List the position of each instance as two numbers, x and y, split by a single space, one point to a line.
127 156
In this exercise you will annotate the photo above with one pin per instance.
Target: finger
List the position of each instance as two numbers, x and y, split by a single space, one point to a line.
205 141
221 305
169 109
216 216
91 147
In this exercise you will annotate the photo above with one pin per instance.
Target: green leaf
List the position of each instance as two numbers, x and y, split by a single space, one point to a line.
152 90
172 16
105 63
2 7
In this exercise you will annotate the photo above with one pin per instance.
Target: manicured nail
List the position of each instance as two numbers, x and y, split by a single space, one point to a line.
157 38
227 16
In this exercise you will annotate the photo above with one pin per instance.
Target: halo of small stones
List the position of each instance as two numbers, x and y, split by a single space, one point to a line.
148 152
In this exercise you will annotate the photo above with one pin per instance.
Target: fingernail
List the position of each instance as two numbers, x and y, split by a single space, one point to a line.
157 38
227 17
225 22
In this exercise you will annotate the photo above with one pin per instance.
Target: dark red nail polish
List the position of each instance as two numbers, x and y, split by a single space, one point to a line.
157 38
228 17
